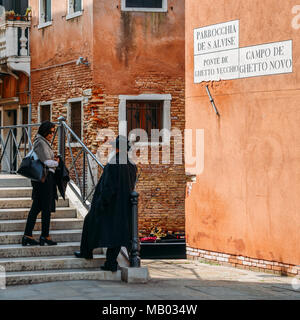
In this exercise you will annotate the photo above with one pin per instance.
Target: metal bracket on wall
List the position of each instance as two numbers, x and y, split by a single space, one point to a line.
212 101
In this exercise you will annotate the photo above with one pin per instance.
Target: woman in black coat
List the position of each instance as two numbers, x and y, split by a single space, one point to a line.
43 194
108 222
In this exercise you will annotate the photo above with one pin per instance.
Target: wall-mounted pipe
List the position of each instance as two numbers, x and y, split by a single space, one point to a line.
212 101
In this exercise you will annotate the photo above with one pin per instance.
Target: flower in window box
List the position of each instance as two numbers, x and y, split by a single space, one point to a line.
10 15
17 17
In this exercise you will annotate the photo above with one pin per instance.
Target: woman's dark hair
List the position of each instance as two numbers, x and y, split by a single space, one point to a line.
45 128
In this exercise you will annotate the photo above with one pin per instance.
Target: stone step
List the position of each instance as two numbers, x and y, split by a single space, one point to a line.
56 235
28 277
61 249
26 203
13 180
21 213
51 263
15 192
55 224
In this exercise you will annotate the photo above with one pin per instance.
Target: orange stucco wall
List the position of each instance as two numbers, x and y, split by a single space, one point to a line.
64 40
246 201
121 44
130 44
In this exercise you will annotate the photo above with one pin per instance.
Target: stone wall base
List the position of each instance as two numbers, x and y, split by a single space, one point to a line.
236 261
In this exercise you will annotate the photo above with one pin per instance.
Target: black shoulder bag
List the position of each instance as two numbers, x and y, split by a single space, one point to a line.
32 167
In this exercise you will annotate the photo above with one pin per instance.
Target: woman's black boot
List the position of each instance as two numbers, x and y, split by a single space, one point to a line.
49 242
28 241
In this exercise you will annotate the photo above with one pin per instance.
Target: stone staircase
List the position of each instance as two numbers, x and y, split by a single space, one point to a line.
35 264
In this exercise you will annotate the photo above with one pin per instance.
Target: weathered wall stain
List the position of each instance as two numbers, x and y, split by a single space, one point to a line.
126 43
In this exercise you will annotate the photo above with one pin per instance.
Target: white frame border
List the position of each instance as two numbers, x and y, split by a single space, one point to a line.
166 98
163 9
74 14
69 101
44 24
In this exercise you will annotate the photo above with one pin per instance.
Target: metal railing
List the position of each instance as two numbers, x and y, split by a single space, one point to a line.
15 143
84 167
88 168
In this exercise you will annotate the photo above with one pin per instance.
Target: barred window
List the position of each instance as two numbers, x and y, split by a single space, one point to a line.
145 115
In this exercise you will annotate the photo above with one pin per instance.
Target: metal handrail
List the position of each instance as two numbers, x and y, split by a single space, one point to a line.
67 132
24 125
81 143
64 131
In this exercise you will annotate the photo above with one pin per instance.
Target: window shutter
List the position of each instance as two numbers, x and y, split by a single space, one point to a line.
71 6
145 115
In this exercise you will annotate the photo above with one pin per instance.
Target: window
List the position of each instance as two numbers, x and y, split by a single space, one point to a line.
75 9
144 115
145 5
25 115
45 112
145 111
45 13
75 119
74 6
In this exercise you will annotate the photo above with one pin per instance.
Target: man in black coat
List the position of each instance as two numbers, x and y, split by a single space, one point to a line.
108 222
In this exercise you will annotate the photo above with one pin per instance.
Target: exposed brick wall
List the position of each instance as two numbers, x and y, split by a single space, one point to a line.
59 84
162 186
243 262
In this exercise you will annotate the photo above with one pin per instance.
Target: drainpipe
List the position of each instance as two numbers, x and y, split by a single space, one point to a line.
29 89
30 108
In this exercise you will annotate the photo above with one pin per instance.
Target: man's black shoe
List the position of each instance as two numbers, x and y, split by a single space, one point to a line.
106 268
79 255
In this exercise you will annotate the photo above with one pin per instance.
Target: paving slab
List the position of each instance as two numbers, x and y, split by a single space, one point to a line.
169 280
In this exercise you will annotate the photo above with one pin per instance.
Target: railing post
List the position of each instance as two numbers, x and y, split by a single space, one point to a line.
83 178
61 138
10 150
134 258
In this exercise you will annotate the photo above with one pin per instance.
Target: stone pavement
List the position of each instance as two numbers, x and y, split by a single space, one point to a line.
170 280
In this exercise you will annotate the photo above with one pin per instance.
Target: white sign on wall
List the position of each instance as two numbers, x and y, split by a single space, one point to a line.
266 59
218 57
216 37
217 66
